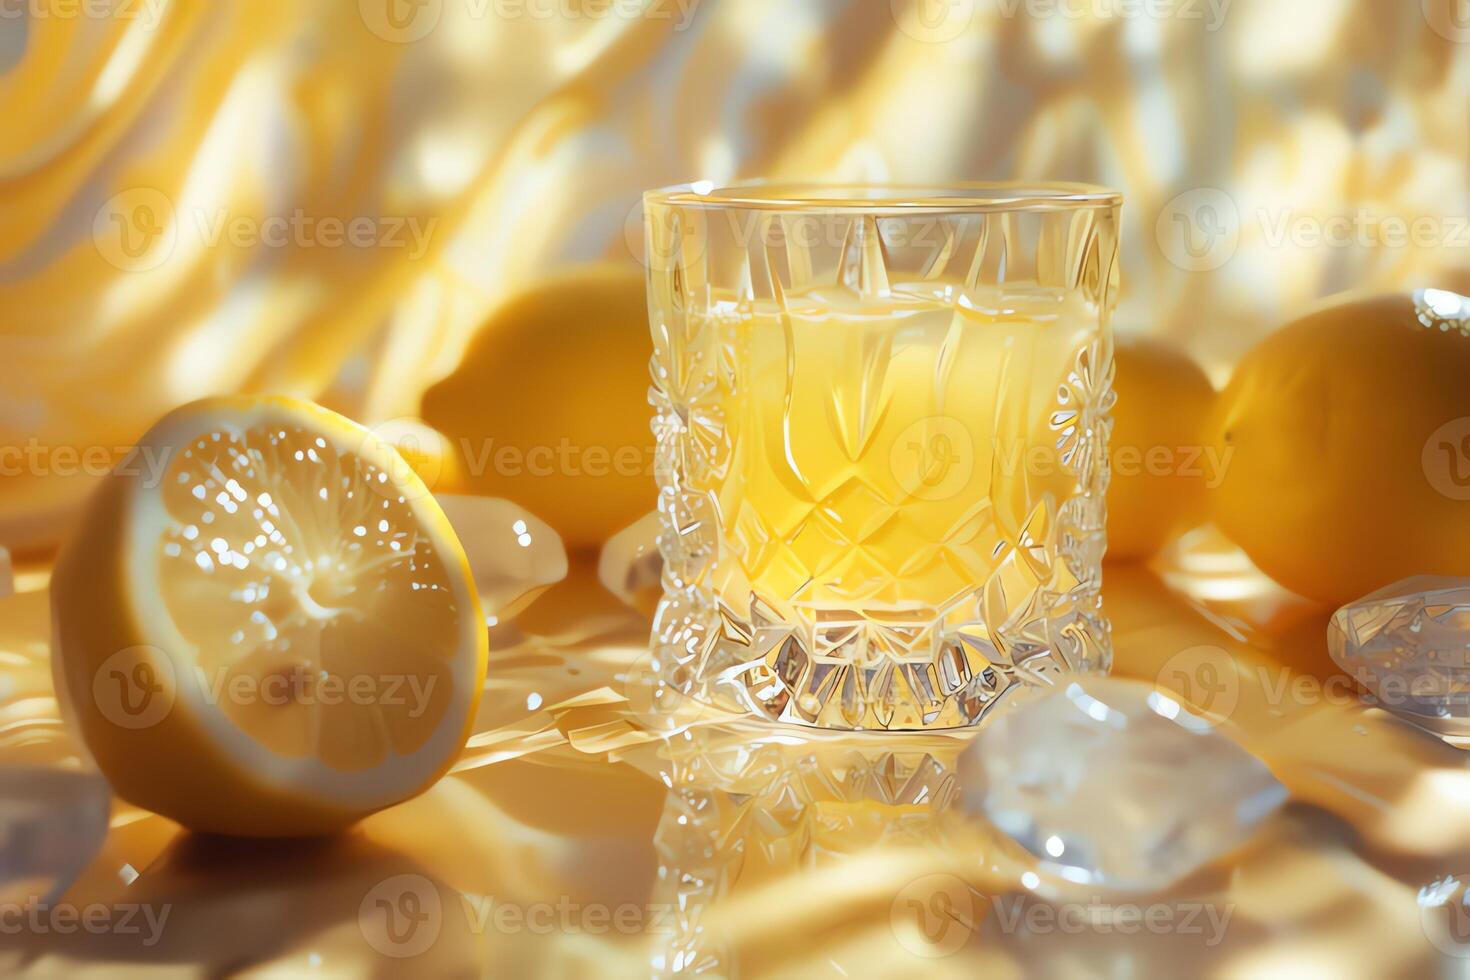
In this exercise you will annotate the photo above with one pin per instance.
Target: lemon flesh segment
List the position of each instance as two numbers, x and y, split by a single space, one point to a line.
308 602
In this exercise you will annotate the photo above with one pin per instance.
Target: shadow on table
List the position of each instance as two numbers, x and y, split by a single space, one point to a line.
218 905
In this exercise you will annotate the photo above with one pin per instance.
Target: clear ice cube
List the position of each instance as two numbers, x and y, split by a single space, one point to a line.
1112 784
514 555
630 565
52 823
1408 645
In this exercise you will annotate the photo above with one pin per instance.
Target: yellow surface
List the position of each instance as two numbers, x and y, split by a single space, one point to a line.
744 852
273 633
1349 439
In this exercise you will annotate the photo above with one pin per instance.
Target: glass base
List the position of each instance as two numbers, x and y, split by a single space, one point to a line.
889 673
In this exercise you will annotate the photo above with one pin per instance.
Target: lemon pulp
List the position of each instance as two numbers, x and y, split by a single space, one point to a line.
300 576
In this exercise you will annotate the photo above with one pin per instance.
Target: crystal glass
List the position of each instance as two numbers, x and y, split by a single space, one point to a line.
882 424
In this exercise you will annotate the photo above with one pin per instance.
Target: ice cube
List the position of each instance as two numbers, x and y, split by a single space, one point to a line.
1113 784
631 567
52 823
1409 646
514 555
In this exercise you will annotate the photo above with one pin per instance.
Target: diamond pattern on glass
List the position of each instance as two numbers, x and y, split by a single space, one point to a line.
881 464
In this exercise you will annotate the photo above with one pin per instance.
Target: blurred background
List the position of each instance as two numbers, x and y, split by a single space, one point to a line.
364 201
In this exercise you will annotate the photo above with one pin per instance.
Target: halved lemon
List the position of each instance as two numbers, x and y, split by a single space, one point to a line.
265 624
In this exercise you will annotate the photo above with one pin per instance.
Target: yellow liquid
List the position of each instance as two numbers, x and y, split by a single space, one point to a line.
891 479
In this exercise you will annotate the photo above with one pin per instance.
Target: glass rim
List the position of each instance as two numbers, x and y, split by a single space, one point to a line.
882 198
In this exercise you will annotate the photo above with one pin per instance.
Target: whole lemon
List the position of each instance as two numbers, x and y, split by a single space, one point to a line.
549 407
1348 434
1160 462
